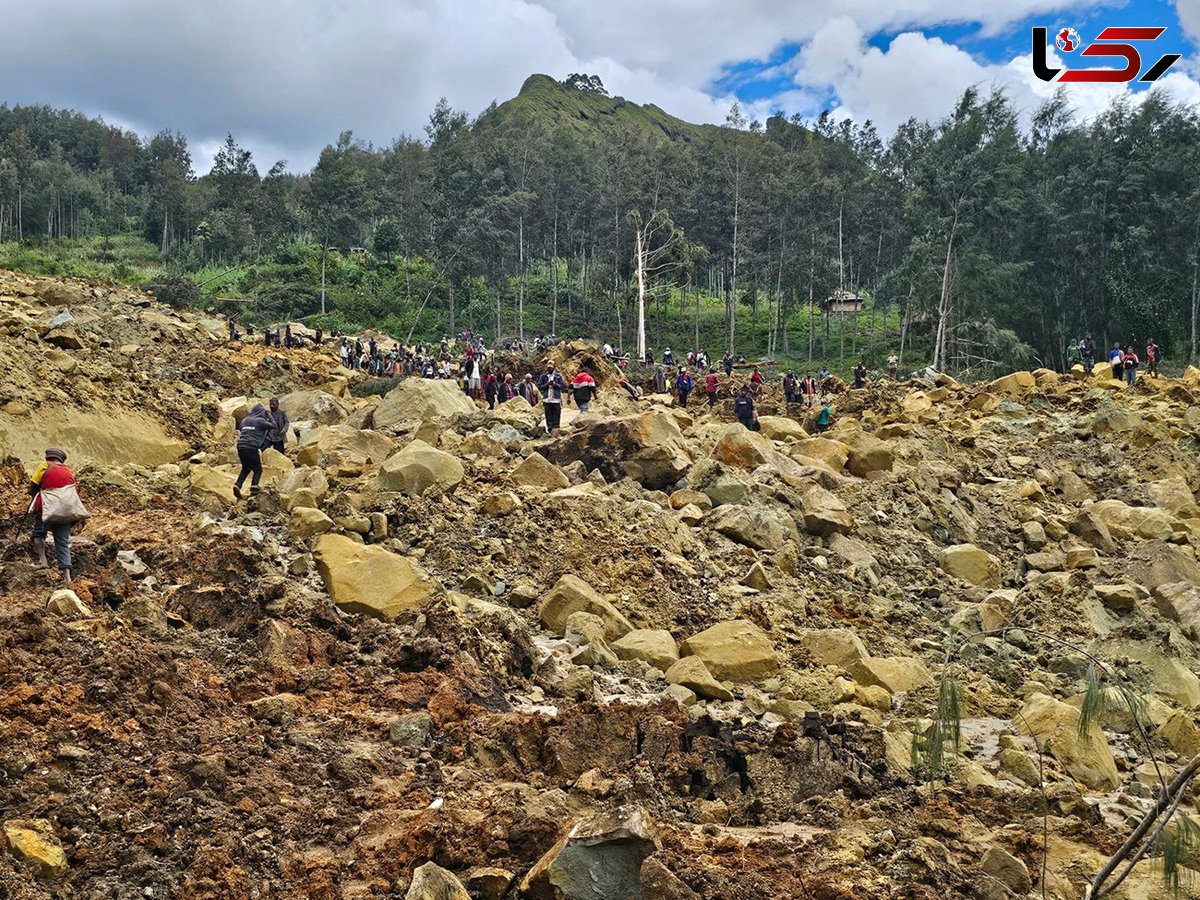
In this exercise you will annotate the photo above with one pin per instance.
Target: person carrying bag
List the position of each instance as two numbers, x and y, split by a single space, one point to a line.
56 508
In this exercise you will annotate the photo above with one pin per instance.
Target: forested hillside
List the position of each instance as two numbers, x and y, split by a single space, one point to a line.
977 242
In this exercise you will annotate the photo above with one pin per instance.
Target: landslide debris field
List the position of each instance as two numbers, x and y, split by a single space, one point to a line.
655 655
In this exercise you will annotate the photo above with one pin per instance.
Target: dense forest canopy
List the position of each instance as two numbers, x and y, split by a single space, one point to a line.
976 242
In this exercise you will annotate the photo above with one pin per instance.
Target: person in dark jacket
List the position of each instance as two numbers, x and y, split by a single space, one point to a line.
280 424
551 385
253 436
683 386
51 474
743 408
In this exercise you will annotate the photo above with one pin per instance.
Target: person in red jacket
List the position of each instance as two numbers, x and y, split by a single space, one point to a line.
710 388
53 473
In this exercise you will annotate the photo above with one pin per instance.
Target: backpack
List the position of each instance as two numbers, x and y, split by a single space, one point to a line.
61 505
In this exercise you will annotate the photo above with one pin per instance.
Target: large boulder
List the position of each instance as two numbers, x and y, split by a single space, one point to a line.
571 594
306 478
648 447
972 564
1125 522
107 435
1014 386
652 645
834 646
734 651
600 858
538 472
415 399
215 484
318 407
867 453
752 526
718 484
833 453
824 514
742 448
1086 756
343 449
691 673
419 468
369 579
892 673
781 428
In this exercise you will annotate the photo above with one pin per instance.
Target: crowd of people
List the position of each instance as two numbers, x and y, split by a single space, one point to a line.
1124 363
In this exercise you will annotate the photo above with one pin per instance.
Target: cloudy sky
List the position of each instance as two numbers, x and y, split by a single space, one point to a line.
286 76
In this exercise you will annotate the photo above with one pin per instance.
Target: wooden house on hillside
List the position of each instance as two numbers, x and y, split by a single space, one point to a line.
842 302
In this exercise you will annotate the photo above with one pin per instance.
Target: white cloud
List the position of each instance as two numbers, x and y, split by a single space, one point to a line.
286 76
923 76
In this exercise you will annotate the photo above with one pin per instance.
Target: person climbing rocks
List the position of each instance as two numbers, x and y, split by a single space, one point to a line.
319 338
893 365
824 417
683 386
56 508
253 435
1087 349
660 380
279 427
743 408
551 385
808 387
823 379
860 375
1074 355
1116 359
233 332
668 358
583 389
1153 358
756 382
727 362
711 383
1130 362
474 377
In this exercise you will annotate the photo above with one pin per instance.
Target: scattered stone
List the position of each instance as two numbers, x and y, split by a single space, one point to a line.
419 468
694 675
733 651
306 523
489 883
368 579
971 564
65 604
652 645
502 504
571 594
752 527
600 858
757 578
1007 869
33 842
536 471
432 882
1086 757
412 730
824 513
1117 597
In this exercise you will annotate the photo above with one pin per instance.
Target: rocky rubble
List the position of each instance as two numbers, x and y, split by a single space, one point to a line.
444 655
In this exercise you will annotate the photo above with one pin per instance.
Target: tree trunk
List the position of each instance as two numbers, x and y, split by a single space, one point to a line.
521 284
324 254
904 322
554 262
641 285
1195 293
453 330
812 286
939 343
737 206
164 230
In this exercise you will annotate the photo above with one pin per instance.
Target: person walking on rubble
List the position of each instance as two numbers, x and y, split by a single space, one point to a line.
1087 349
1153 358
808 387
253 436
552 385
56 508
1130 362
279 426
683 386
583 389
743 408
711 383
1116 359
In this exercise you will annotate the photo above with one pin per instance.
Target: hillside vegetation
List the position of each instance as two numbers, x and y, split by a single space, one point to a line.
978 243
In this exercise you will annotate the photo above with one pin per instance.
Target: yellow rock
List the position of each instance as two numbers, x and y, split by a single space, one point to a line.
33 840
369 579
